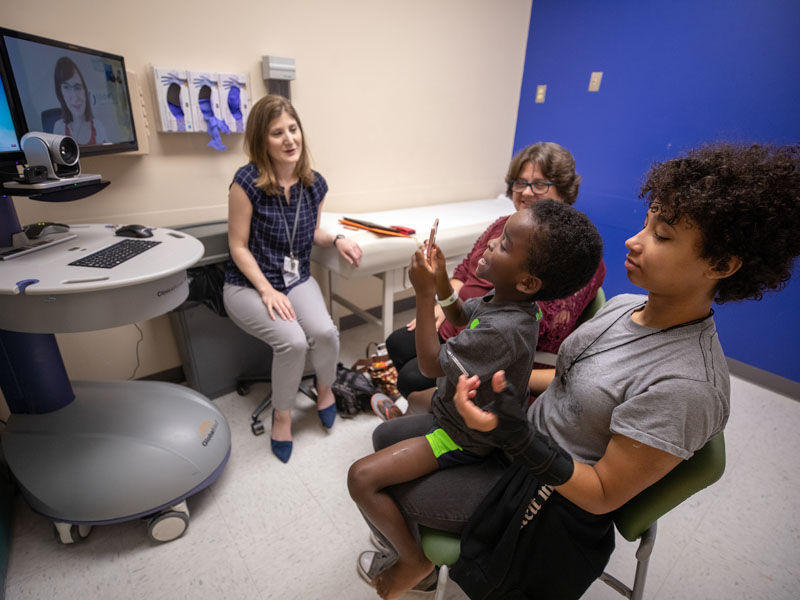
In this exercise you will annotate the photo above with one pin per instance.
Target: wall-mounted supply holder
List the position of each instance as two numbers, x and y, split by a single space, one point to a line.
140 119
278 71
235 100
172 100
204 96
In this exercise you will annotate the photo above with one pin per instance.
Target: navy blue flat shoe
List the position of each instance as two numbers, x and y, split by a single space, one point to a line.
327 416
283 450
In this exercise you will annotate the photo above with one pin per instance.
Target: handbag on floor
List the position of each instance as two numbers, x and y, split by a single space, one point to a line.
380 368
352 391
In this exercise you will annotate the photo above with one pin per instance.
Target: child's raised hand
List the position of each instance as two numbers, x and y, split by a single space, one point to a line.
435 255
437 259
422 274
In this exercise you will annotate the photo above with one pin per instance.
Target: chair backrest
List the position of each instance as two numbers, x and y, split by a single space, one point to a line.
49 118
704 468
593 306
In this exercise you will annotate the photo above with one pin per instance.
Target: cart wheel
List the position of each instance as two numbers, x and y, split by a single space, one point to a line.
167 526
69 533
242 389
257 427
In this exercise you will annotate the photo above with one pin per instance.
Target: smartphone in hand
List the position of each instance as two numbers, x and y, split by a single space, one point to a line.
431 241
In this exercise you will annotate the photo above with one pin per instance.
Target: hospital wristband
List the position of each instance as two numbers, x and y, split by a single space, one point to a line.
451 299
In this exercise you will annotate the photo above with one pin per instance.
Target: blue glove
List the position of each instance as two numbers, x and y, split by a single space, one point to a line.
235 102
174 104
213 124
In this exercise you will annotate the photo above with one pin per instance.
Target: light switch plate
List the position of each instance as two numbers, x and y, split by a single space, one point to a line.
594 81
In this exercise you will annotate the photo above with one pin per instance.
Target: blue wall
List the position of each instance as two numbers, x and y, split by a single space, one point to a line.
676 73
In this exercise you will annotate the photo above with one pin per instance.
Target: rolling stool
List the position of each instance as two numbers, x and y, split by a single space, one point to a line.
243 387
442 548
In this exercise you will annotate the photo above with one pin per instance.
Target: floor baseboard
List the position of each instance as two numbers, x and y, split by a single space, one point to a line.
173 375
770 381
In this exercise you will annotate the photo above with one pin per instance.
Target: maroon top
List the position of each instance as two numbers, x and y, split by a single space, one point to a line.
559 316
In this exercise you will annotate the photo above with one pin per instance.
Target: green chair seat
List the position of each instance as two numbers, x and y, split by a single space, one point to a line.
705 467
441 547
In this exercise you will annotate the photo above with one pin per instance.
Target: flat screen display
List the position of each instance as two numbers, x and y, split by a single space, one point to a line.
10 153
8 134
69 90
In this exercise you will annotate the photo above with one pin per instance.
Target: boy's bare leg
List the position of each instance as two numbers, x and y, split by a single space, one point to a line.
366 480
419 403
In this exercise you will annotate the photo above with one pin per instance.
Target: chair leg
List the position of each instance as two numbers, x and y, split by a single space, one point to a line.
256 426
307 389
243 383
643 553
441 583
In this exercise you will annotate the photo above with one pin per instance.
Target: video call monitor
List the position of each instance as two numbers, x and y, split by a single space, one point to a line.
69 90
8 133
10 152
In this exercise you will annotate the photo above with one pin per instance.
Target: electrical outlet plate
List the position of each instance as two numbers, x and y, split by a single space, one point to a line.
594 81
541 90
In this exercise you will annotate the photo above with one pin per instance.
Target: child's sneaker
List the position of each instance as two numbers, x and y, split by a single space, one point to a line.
382 406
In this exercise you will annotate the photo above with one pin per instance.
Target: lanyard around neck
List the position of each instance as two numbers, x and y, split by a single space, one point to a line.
296 215
581 356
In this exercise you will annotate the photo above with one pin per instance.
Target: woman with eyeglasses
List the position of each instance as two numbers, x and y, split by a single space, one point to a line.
77 120
542 170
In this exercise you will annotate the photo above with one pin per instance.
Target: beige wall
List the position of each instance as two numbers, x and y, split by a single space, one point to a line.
403 103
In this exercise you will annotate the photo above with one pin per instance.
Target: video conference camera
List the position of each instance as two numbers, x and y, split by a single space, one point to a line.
59 154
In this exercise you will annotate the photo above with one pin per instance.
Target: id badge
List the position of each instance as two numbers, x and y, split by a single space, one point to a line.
291 270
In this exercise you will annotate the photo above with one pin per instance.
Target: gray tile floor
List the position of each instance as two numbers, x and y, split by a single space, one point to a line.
268 530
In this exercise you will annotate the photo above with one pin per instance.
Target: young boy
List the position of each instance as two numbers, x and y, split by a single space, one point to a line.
547 251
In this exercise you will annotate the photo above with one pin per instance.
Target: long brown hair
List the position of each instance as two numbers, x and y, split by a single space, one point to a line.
256 140
65 69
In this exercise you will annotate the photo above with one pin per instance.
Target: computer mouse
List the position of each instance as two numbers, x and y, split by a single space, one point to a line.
36 230
134 231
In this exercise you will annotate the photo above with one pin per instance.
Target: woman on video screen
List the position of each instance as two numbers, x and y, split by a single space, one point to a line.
76 119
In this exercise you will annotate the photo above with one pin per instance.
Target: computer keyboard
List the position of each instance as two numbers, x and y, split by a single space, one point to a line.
114 255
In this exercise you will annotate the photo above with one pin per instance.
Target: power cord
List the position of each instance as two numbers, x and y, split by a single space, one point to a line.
138 362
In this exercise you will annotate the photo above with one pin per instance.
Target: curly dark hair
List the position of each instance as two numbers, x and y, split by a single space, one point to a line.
564 249
745 201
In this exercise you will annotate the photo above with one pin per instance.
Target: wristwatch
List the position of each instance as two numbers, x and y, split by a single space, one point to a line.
338 237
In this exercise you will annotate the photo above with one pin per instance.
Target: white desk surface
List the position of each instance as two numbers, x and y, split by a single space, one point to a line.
50 266
460 224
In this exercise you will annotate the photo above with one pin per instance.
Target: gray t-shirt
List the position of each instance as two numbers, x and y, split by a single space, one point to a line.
667 389
499 335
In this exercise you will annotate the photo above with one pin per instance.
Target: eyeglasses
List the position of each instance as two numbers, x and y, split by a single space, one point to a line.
537 187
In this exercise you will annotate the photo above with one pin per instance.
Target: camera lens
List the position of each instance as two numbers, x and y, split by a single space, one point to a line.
68 150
